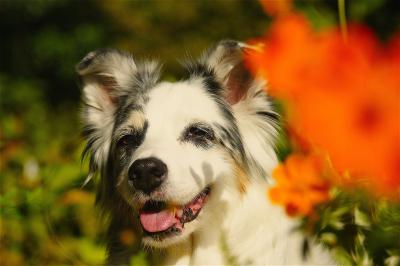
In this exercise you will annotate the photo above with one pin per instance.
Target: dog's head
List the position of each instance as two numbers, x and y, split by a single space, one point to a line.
165 151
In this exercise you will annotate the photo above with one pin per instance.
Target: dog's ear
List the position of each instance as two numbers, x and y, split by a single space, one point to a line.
106 75
226 62
256 120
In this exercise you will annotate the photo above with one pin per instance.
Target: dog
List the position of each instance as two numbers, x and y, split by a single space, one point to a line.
186 165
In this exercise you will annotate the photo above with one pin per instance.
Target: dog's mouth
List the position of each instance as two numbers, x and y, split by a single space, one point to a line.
160 220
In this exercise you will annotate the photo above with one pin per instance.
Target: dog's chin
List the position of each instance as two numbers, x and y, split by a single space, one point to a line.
165 225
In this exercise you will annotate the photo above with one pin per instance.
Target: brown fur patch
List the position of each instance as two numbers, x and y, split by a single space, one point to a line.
136 120
241 177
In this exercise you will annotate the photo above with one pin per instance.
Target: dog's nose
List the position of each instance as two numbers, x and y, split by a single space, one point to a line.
147 174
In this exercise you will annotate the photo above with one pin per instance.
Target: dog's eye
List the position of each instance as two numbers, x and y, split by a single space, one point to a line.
199 133
130 138
128 141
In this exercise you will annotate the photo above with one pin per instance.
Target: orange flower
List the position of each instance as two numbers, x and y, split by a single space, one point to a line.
300 184
342 98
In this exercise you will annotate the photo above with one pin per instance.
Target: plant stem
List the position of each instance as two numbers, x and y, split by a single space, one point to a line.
342 19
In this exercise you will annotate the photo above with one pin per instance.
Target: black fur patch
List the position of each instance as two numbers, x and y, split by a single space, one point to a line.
207 75
88 59
231 139
125 144
126 107
274 117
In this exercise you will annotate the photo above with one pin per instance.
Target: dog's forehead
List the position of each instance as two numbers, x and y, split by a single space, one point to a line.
184 102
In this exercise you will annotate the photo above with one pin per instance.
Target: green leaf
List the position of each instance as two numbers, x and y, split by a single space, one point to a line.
342 257
329 239
361 219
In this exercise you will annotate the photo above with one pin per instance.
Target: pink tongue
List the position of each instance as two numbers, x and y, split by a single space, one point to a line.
158 221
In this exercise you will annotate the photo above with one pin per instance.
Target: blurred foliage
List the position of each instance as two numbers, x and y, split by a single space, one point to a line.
45 215
359 229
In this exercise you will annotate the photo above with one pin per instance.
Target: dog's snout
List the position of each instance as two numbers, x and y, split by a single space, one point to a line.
147 174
